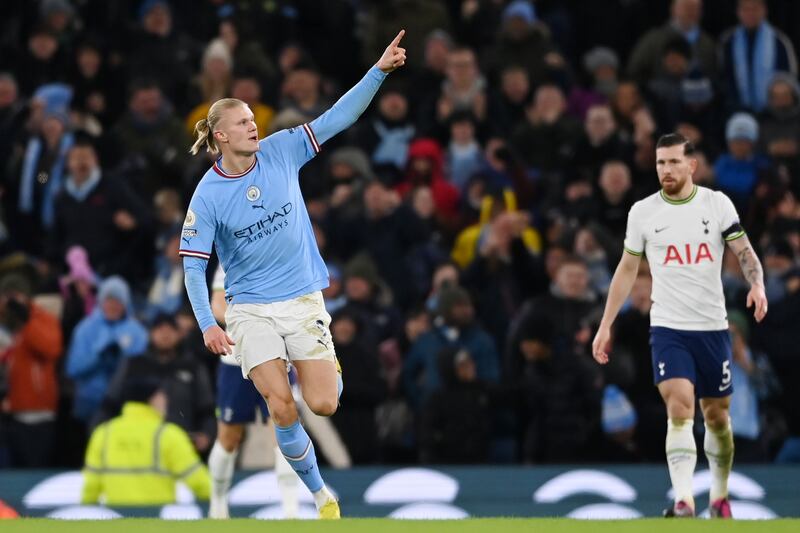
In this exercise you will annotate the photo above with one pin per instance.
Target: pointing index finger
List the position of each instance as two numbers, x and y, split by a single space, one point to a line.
396 40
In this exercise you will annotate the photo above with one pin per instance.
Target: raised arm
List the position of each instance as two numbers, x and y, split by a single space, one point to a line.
753 273
355 101
618 292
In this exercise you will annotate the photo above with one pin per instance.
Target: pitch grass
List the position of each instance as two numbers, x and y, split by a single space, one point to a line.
381 525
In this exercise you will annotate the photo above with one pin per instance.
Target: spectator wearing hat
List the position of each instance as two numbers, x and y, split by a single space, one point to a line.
182 376
751 53
740 168
137 457
684 22
522 40
348 173
99 343
29 350
38 169
455 327
779 123
367 299
101 214
601 67
213 82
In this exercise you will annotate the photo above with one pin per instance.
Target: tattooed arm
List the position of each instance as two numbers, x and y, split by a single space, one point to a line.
753 273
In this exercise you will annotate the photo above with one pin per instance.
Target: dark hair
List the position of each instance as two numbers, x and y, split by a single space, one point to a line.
675 139
82 139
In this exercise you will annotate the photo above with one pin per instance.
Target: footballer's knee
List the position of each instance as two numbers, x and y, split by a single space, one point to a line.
322 406
229 436
716 417
282 410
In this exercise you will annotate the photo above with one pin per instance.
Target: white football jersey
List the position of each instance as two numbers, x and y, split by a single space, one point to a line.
684 243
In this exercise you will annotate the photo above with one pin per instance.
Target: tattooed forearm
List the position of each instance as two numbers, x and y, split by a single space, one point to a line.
751 266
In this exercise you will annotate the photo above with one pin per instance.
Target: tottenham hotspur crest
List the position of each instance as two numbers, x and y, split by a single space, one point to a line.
253 193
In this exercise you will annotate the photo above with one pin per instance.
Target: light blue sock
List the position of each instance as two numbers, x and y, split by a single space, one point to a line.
296 446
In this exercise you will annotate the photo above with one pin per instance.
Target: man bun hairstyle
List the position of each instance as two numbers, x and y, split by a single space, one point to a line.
204 128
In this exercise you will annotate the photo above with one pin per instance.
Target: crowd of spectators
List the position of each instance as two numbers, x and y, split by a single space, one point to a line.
471 220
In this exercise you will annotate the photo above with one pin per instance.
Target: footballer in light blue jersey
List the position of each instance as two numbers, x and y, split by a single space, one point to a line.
248 207
258 220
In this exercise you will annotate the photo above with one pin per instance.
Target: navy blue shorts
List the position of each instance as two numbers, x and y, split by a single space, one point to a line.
702 357
237 398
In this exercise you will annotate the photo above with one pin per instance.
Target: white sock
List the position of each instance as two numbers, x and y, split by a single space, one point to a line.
220 467
681 458
718 445
287 485
322 496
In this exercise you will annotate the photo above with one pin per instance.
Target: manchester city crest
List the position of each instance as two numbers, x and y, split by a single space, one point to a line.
190 219
253 193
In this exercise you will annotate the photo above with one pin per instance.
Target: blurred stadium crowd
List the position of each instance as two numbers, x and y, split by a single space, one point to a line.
471 220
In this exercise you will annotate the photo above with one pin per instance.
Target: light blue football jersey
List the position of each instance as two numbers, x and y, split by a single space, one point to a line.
257 220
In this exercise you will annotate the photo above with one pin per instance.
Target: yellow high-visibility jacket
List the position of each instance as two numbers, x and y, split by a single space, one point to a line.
136 458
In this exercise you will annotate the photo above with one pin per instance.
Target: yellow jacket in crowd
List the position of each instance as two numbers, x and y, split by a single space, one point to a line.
136 458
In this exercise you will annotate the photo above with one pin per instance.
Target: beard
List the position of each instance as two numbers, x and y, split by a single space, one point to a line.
673 187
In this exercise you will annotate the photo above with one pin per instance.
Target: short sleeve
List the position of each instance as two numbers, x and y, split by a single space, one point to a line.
634 236
298 145
199 227
218 284
729 225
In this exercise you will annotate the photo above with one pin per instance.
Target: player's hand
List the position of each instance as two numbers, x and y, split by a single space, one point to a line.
600 345
756 296
394 56
217 341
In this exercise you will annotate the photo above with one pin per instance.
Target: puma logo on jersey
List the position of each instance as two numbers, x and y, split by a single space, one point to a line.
688 258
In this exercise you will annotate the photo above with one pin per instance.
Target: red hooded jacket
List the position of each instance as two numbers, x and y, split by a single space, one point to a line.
445 194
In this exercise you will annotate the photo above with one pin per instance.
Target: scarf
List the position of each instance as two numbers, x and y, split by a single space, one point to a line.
752 81
80 192
32 153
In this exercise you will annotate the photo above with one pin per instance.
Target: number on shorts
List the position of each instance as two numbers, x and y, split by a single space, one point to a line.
726 372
